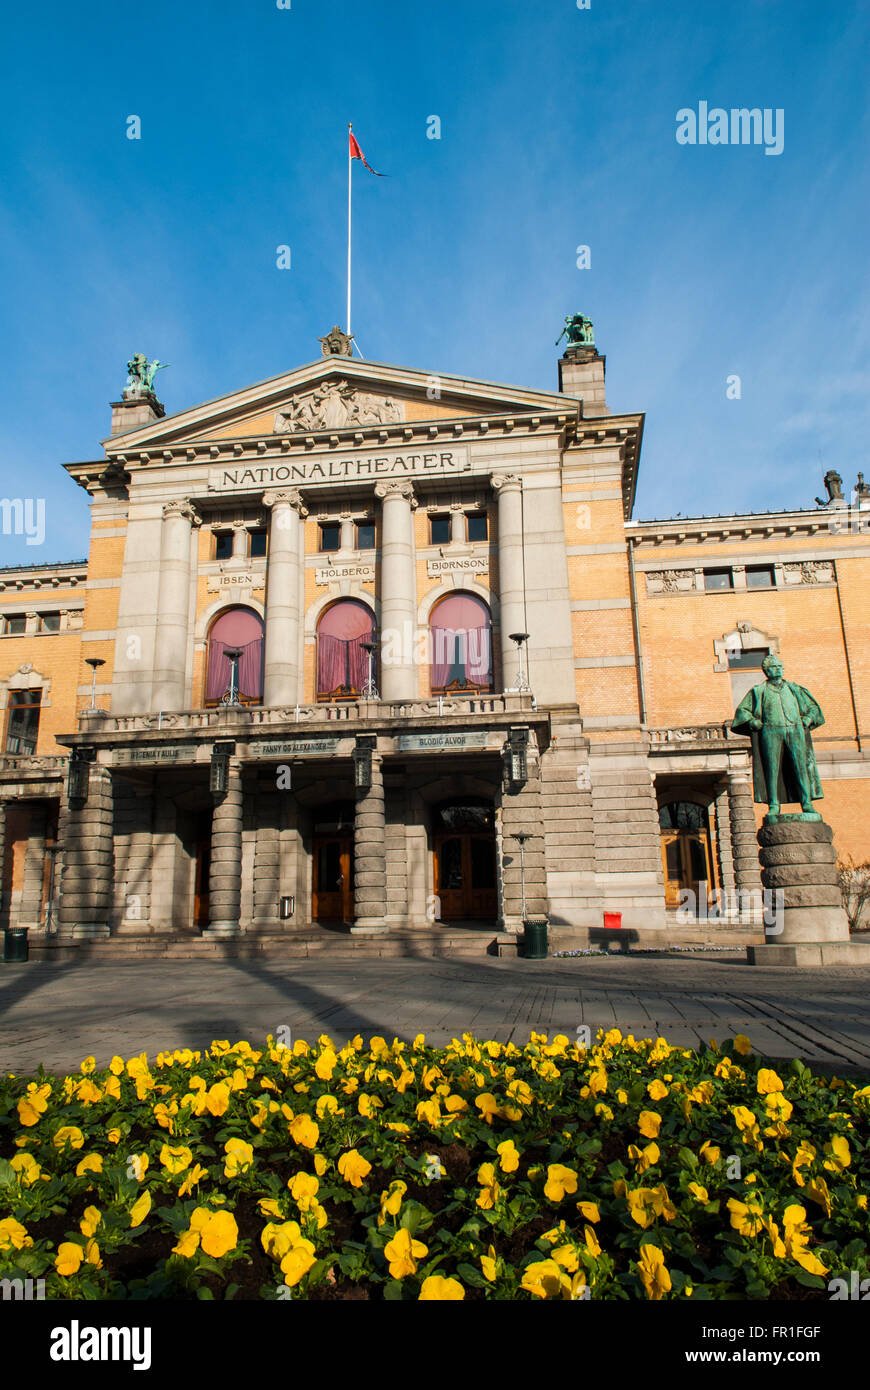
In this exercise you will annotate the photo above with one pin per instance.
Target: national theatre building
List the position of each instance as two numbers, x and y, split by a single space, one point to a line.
367 650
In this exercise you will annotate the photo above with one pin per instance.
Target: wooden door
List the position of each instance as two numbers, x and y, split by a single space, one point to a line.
201 882
332 887
688 865
465 876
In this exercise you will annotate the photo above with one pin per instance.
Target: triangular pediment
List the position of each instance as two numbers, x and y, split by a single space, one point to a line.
338 393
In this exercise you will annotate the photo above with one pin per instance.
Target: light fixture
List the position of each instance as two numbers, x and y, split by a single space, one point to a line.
233 656
516 760
80 773
522 685
362 761
287 906
95 662
219 773
370 690
521 836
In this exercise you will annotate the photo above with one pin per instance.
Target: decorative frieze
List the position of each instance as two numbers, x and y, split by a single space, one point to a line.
809 572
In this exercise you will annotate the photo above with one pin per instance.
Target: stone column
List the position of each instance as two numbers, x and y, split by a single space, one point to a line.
369 855
346 540
240 541
511 579
521 810
457 524
744 846
173 607
85 838
30 911
398 592
283 594
225 873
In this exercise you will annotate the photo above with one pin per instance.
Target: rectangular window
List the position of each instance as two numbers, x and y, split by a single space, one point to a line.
717 580
14 627
760 577
330 535
223 545
439 530
749 659
365 535
477 528
49 622
258 544
22 726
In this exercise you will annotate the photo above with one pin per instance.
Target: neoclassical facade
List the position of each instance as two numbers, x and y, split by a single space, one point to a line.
362 649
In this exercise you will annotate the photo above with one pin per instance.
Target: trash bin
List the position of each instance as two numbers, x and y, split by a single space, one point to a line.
15 944
535 945
613 921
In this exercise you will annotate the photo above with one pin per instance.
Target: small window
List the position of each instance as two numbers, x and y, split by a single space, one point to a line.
49 622
365 535
759 577
749 659
258 545
22 726
223 545
14 627
330 535
439 530
717 580
477 528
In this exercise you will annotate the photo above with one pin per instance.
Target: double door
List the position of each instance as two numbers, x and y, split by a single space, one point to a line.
688 866
332 888
465 882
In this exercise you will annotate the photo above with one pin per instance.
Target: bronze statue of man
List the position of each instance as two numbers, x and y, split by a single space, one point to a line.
778 716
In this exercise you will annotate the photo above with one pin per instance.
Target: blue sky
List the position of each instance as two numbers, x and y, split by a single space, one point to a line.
558 129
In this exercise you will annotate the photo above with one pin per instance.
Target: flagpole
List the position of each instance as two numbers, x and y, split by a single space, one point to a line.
349 167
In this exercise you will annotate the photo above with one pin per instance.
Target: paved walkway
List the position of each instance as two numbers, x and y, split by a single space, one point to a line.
58 1015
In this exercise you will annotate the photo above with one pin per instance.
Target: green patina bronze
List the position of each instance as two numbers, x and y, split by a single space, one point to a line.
778 716
578 329
141 372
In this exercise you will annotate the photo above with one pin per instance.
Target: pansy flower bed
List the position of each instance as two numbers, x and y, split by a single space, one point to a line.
631 1169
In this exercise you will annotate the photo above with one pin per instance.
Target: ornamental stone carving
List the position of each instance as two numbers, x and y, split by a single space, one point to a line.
336 405
183 509
398 487
809 572
505 481
670 581
288 497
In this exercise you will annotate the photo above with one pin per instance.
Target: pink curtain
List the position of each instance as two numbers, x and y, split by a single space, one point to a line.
342 661
242 629
461 642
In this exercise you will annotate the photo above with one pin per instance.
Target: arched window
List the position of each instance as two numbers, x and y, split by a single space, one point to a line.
342 660
461 644
240 629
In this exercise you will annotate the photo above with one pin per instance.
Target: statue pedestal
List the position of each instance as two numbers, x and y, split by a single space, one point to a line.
799 865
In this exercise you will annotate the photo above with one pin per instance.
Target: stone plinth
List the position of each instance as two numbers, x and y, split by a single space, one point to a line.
797 856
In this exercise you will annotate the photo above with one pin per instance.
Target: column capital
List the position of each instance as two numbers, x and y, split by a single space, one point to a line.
286 497
506 482
396 487
183 508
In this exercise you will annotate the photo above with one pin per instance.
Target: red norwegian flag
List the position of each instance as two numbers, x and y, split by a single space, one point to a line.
356 153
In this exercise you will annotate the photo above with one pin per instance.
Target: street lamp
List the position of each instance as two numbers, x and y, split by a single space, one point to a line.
370 690
522 685
95 662
521 836
233 656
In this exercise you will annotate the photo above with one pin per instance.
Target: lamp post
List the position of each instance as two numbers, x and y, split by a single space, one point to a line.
233 656
521 638
95 662
521 836
370 690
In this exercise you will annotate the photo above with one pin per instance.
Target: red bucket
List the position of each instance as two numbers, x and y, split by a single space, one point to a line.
613 921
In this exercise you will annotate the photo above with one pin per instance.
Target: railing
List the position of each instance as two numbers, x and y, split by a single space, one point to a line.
692 733
339 712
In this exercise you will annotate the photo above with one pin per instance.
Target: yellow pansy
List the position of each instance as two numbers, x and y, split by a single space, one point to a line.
508 1156
240 1157
297 1262
34 1103
589 1210
544 1279
68 1258
320 1165
304 1131
13 1235
742 1045
325 1064
68 1135
746 1217
90 1221
839 1155
490 1189
354 1168
644 1158
402 1254
217 1230
391 1200
649 1122
699 1193
438 1289
709 1152
91 1163
140 1209
656 1090
175 1158
193 1179
27 1168
561 1182
653 1272
767 1082
488 1264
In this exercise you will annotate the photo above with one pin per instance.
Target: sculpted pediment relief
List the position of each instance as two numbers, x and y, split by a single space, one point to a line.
336 405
